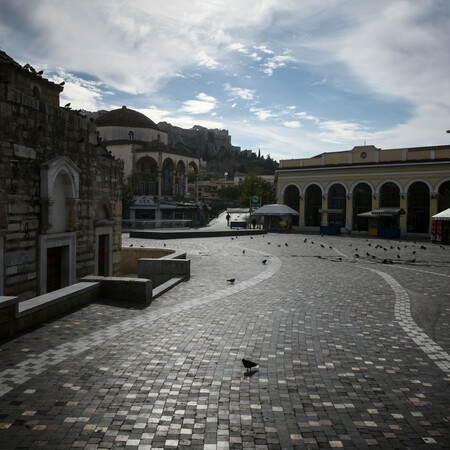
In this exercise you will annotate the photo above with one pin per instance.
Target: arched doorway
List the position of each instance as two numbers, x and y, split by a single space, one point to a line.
444 196
362 202
168 169
389 195
336 201
146 177
418 218
313 202
291 198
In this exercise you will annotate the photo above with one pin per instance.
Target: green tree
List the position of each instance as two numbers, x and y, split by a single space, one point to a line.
254 185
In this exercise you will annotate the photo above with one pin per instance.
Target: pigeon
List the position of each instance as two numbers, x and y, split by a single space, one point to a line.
40 72
286 244
231 280
367 253
62 83
422 247
251 237
249 364
398 256
243 251
356 255
67 105
323 246
131 245
264 261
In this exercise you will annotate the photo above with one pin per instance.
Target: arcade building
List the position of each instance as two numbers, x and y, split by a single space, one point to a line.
367 189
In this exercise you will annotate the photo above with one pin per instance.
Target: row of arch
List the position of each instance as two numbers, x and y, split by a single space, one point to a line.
169 179
362 194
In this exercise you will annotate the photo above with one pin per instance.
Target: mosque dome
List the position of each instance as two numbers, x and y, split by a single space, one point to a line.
125 117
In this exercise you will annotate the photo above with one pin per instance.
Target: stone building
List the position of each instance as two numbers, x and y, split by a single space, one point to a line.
156 172
60 191
392 188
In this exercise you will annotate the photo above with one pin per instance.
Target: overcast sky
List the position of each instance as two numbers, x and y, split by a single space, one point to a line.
293 78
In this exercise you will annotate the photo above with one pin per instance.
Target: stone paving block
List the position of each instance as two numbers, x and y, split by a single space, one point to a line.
343 360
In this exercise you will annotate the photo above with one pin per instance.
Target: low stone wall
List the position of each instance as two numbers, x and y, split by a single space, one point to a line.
131 255
162 270
136 290
17 316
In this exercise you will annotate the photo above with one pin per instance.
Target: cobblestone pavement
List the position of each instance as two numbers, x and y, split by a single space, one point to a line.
351 335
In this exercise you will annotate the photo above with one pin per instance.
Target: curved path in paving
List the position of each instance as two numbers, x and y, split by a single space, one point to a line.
343 363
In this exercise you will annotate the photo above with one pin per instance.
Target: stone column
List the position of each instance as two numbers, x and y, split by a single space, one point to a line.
174 182
403 217
349 212
324 221
159 183
301 211
186 181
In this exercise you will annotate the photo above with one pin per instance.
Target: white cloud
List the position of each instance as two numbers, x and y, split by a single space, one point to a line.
206 61
204 104
82 94
238 47
320 83
235 92
261 113
341 132
292 124
276 62
304 115
264 49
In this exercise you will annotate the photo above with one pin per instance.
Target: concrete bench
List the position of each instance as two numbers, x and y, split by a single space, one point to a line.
17 316
137 290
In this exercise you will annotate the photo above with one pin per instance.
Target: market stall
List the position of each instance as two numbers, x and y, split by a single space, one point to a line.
440 227
276 217
384 222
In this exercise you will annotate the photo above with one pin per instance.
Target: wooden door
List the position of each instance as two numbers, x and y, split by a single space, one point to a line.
53 269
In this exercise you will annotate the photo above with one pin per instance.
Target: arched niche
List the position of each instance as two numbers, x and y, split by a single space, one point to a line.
60 185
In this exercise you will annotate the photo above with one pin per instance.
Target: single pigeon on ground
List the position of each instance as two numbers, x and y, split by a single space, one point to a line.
231 280
249 364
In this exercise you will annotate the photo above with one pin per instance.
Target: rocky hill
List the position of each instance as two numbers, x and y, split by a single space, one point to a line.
200 140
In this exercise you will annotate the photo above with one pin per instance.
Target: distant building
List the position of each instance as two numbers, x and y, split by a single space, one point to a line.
366 188
210 189
60 191
157 173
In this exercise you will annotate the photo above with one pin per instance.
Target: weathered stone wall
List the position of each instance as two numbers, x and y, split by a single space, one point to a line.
33 132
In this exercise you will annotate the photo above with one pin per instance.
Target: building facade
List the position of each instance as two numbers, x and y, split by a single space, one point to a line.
60 190
339 188
156 173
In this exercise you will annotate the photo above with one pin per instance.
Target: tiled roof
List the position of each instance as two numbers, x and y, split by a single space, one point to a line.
125 117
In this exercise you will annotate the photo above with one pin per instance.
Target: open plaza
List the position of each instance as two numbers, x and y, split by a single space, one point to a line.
350 334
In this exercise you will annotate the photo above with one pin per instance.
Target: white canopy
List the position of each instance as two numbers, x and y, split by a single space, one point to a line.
275 210
443 215
380 212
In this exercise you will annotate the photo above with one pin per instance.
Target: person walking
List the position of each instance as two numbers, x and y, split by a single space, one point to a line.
228 219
